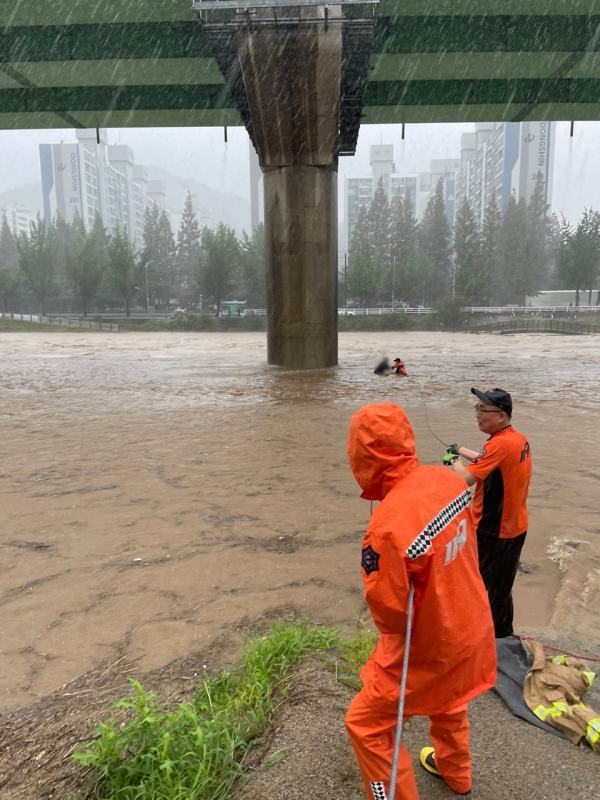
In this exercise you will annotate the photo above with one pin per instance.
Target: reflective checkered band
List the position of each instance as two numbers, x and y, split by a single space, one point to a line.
423 541
556 710
378 790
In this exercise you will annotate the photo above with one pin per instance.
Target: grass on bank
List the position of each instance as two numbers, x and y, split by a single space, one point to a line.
196 750
16 326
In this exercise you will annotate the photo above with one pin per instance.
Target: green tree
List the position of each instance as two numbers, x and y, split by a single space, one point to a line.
37 260
404 237
366 276
9 257
10 285
379 230
536 264
579 254
219 258
159 248
124 269
490 250
252 253
435 240
420 272
360 234
86 260
9 265
554 281
365 271
63 239
513 238
467 256
188 253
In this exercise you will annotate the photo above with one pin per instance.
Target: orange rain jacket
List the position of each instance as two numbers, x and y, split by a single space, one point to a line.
422 530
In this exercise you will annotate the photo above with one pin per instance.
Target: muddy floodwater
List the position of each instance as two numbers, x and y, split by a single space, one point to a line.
157 489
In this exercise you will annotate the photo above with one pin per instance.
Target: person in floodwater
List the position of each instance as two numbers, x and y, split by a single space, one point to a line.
502 471
383 368
422 533
399 368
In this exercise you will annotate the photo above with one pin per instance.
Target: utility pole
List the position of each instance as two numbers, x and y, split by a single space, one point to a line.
345 280
453 276
393 281
147 292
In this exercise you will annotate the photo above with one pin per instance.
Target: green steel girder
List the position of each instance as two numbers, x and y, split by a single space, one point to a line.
130 40
140 40
397 94
114 98
488 34
431 59
466 93
60 12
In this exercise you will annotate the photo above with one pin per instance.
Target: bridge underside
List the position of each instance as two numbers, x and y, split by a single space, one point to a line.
147 63
298 86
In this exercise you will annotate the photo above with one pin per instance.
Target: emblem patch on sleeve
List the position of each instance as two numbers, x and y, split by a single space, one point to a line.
370 560
480 454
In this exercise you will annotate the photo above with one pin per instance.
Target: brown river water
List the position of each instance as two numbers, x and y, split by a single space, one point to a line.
158 489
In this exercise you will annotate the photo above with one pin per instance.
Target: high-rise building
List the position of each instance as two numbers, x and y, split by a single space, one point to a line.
157 193
89 176
18 217
122 188
421 185
504 158
140 201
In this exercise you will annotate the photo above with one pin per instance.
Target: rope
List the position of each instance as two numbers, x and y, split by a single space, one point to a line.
427 416
562 650
400 717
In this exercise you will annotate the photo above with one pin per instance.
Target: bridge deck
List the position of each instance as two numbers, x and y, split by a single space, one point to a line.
147 63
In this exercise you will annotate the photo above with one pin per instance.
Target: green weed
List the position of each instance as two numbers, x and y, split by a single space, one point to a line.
195 751
354 654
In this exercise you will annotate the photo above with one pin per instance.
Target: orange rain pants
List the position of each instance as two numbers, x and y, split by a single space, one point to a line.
372 735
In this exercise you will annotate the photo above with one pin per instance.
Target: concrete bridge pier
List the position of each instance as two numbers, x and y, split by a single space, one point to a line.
297 74
301 245
290 63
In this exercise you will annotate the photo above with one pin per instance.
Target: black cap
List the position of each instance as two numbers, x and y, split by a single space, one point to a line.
495 397
397 359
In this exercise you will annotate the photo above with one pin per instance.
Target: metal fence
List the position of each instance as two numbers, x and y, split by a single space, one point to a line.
533 309
70 322
562 326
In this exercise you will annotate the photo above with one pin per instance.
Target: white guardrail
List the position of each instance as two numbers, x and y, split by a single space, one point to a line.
368 312
71 322
351 312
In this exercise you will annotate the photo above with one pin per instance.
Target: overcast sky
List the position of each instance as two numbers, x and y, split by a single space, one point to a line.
202 153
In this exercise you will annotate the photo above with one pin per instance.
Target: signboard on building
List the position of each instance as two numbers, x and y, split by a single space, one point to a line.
536 151
67 180
61 181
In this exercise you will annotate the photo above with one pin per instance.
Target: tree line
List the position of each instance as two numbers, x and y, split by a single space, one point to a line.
66 267
494 261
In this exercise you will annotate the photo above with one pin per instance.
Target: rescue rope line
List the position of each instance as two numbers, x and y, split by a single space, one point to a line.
562 650
400 719
427 416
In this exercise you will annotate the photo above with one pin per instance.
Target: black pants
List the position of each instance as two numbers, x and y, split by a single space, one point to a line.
498 564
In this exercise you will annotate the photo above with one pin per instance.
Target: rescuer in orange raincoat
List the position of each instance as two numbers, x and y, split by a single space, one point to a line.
421 531
399 368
